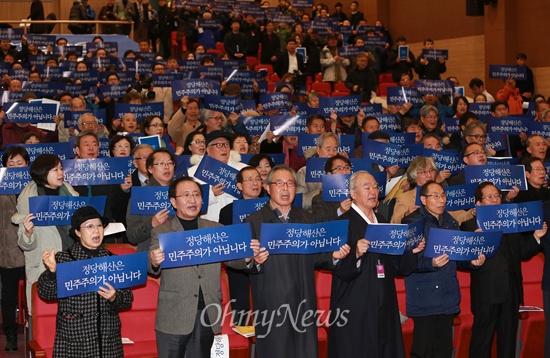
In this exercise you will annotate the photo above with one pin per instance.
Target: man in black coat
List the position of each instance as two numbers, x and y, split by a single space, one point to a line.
396 64
289 61
235 42
271 44
361 79
355 15
138 13
364 286
287 284
496 288
429 69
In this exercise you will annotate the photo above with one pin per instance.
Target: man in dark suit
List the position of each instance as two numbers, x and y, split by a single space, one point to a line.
496 288
286 280
271 44
140 176
138 13
190 299
289 61
235 42
355 15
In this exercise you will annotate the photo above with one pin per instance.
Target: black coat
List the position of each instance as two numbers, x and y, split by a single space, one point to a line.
269 48
79 332
287 284
365 79
281 64
373 327
490 282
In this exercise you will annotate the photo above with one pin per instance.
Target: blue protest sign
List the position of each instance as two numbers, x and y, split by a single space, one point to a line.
358 164
372 110
40 40
74 89
350 51
62 150
335 187
408 153
10 96
83 276
21 74
126 77
240 77
149 200
165 79
481 109
510 218
384 154
342 106
503 161
459 197
110 47
402 95
504 177
462 245
388 122
13 180
42 89
90 77
394 239
399 138
210 72
304 238
152 140
58 210
29 112
63 50
71 117
509 125
272 101
101 171
11 33
210 23
315 169
204 246
302 4
452 125
243 208
539 128
222 104
495 141
373 42
214 172
519 73
255 124
446 159
194 88
287 125
113 91
140 110
432 54
434 86
403 52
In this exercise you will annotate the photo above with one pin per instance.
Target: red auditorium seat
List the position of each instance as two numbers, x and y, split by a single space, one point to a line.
323 286
321 87
239 346
340 87
120 249
533 328
383 88
220 47
385 78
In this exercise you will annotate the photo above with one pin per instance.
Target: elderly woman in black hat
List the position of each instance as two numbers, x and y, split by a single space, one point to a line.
88 324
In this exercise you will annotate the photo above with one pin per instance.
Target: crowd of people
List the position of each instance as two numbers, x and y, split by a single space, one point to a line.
363 302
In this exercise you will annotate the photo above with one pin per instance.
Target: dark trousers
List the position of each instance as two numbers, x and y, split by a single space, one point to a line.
433 336
197 344
239 291
501 319
10 285
546 298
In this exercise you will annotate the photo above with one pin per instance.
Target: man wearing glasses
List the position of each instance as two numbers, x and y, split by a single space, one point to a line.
161 165
537 186
433 294
472 154
496 288
287 283
219 148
